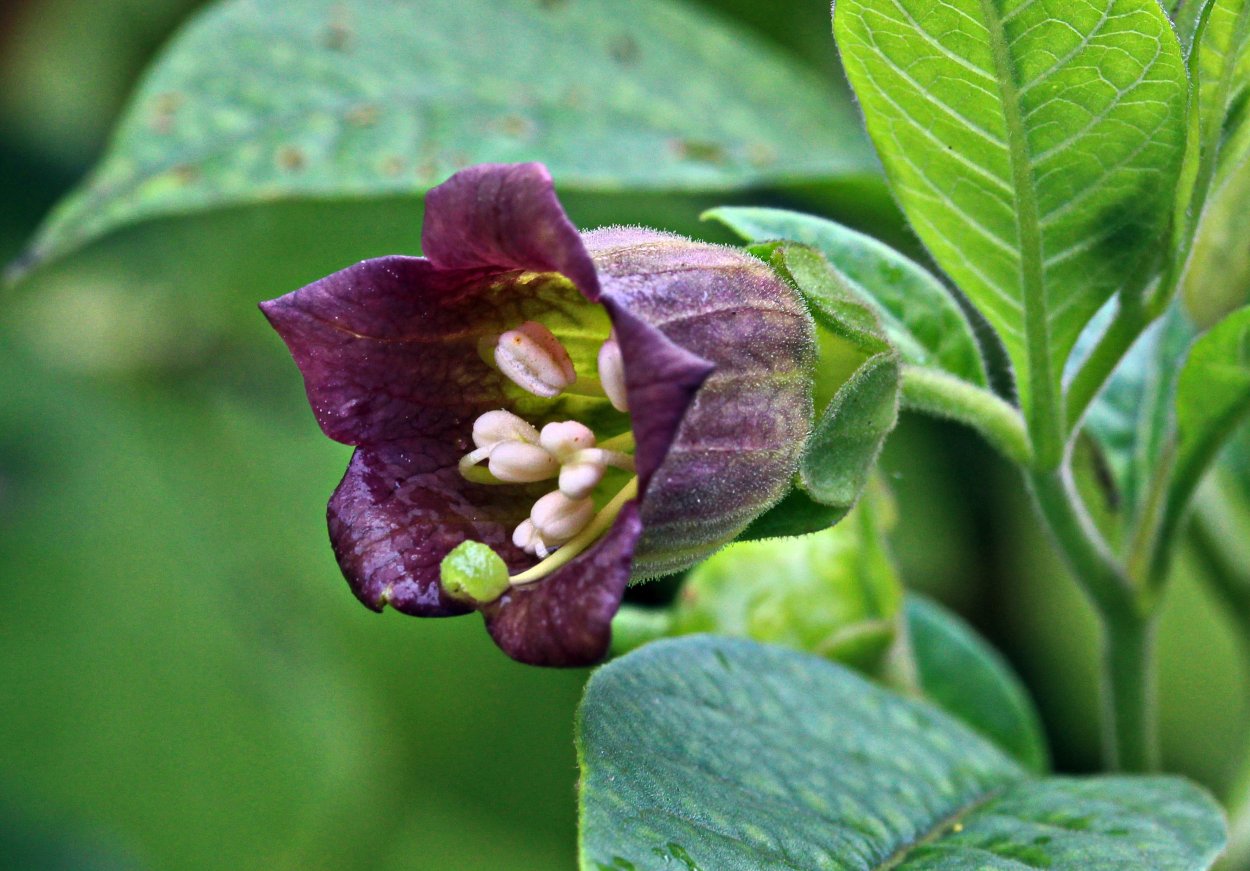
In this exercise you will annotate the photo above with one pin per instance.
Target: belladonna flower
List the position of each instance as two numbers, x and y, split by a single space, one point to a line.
566 412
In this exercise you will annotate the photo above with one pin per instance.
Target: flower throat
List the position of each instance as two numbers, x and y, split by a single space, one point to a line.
510 450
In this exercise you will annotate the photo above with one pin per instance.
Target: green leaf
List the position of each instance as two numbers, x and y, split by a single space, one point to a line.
1217 274
256 102
844 446
966 677
1036 153
1132 421
726 755
1217 269
1185 15
1212 395
919 314
1221 67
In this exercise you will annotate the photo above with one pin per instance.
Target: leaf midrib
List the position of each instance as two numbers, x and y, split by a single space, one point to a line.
1042 411
938 829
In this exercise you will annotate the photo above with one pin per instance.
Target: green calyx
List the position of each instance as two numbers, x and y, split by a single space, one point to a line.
473 572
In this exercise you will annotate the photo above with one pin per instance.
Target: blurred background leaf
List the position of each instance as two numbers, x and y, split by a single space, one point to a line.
319 99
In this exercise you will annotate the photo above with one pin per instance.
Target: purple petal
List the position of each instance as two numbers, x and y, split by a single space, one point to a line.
661 380
566 618
505 216
398 511
371 339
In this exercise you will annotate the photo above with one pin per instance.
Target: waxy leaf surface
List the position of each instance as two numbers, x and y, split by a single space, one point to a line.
726 755
1033 145
255 102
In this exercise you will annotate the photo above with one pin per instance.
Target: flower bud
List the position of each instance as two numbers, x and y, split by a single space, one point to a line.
533 358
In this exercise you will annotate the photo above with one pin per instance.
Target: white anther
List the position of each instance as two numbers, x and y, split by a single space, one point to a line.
526 537
579 479
498 426
557 518
565 438
612 373
518 462
535 360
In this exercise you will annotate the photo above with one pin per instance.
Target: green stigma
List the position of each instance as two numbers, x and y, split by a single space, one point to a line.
473 572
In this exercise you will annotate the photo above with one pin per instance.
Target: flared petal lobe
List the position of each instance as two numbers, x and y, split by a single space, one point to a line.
505 216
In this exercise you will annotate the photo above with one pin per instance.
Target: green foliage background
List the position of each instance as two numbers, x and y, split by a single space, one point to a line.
185 681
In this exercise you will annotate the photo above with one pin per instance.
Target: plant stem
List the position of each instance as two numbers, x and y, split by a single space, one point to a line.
935 392
1129 734
1130 319
1081 544
1130 739
1226 572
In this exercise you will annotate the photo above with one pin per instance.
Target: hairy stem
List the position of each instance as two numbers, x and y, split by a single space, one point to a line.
1129 710
937 393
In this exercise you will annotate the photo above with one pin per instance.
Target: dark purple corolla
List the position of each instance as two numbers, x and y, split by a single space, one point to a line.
590 407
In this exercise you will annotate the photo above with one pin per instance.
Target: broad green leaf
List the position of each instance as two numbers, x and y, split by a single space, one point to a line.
960 673
919 314
726 755
1035 149
843 448
255 102
1212 394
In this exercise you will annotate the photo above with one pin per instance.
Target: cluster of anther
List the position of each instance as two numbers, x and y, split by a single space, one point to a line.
516 452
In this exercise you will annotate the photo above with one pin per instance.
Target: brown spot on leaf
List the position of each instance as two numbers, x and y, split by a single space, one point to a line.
393 166
699 151
338 33
164 107
337 37
761 154
550 4
516 126
291 158
364 115
576 97
185 173
624 50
